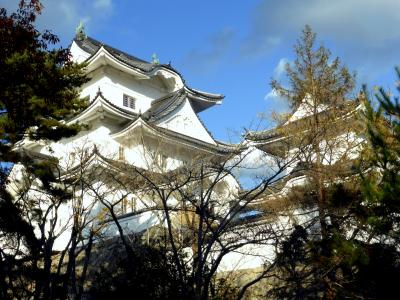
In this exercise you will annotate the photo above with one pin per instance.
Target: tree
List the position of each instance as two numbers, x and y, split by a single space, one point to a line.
199 216
321 134
197 211
376 275
352 253
381 187
314 75
39 83
152 276
324 132
39 88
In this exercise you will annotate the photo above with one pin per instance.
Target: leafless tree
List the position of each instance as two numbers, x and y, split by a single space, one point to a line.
202 213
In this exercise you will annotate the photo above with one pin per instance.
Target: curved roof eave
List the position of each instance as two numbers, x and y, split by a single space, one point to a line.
262 136
150 70
164 106
101 101
129 127
110 59
218 148
94 158
204 95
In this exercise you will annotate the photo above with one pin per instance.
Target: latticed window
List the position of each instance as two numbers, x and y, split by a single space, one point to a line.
129 101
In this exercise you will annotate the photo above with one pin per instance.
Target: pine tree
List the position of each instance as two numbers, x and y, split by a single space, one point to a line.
320 88
382 186
355 252
314 74
38 88
324 140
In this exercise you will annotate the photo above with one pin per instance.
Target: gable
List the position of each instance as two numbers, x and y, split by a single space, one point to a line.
78 55
114 85
185 121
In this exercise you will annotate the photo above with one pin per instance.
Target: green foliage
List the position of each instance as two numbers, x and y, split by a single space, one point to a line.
38 81
359 256
38 89
382 187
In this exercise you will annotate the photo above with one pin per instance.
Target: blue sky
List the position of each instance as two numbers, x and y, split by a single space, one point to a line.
236 47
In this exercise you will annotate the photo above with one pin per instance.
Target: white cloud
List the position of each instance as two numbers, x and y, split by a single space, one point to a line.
280 69
365 31
272 95
69 11
62 16
276 102
102 3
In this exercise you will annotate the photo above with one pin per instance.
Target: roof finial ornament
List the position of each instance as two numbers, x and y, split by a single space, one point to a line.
98 91
80 32
154 59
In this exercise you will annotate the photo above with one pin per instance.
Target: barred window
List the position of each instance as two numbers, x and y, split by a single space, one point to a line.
129 101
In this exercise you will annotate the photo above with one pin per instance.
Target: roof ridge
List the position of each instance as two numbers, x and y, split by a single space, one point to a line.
100 44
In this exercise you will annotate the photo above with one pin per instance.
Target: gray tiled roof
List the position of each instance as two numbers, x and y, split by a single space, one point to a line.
346 107
219 147
262 136
163 106
91 46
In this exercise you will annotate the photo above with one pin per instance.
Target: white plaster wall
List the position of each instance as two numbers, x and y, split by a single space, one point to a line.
85 141
149 156
114 84
78 55
184 120
70 150
247 257
255 255
137 155
306 108
345 146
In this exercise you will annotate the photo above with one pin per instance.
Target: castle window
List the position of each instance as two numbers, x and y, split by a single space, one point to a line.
72 156
161 161
129 101
121 153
